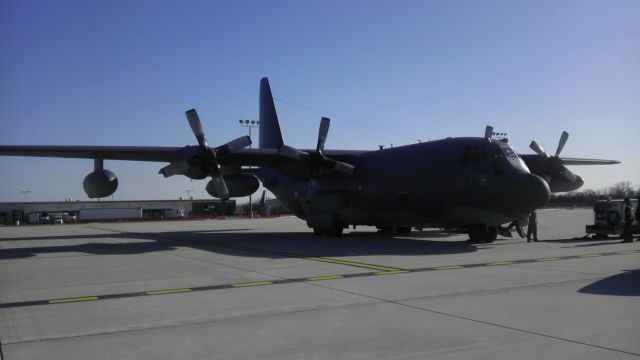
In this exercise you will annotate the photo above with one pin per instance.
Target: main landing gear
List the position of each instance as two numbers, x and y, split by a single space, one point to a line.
482 234
335 231
398 230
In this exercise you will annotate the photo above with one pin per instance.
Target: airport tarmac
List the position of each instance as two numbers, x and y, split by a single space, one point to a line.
269 289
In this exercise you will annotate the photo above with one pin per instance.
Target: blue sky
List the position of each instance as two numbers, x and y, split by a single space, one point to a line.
123 73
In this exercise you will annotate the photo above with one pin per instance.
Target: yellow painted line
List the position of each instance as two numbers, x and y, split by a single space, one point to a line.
449 267
330 277
391 272
257 283
313 258
86 298
627 252
548 259
352 263
501 263
589 255
170 291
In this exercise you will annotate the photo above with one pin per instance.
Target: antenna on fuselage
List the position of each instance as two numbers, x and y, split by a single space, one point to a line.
489 133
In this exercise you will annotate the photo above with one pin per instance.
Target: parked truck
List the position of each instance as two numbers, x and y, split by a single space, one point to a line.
110 214
173 214
608 218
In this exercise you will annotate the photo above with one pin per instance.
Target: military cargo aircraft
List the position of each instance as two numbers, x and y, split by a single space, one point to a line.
475 183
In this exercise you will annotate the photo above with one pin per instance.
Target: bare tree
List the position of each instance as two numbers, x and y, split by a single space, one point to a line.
621 190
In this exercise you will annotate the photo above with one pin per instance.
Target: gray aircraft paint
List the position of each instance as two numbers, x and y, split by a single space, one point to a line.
479 183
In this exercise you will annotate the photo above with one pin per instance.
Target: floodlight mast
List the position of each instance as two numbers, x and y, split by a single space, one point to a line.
250 124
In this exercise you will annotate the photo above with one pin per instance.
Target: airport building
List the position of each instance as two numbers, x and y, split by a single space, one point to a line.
42 212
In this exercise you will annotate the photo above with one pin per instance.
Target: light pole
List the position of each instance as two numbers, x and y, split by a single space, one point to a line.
25 193
249 124
24 211
189 192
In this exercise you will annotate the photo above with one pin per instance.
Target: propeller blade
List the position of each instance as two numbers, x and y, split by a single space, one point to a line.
322 134
289 152
263 198
175 168
343 168
563 140
196 127
539 150
488 131
233 145
218 183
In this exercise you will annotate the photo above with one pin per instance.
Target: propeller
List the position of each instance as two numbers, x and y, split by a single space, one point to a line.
555 164
318 161
207 157
538 149
563 140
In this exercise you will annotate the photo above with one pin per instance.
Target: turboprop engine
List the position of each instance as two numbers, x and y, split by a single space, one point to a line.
238 185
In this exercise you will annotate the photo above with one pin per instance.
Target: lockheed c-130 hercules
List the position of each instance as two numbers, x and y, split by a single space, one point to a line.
476 183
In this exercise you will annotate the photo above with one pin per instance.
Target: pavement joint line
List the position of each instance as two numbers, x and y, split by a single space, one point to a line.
392 271
257 250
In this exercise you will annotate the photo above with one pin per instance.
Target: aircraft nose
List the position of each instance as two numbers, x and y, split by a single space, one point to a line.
535 191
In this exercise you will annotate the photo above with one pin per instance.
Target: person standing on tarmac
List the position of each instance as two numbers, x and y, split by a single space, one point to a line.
532 229
628 221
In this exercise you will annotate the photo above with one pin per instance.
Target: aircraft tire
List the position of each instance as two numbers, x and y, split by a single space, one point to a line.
477 234
385 229
336 231
491 235
403 230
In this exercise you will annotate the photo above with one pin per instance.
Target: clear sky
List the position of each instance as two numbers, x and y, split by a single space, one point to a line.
124 72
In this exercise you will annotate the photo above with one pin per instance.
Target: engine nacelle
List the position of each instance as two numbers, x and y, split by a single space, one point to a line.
196 173
239 185
100 184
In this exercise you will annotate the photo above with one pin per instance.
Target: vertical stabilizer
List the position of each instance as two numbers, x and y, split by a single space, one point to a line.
270 135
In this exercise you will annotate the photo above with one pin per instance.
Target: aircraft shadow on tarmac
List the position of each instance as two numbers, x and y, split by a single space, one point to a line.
625 284
269 245
584 242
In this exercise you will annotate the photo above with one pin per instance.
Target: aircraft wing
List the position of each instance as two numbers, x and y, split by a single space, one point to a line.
134 153
578 161
253 157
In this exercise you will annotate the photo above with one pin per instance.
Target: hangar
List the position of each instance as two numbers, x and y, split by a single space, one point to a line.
31 212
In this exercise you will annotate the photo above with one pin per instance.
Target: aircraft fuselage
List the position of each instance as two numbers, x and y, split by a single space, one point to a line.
455 182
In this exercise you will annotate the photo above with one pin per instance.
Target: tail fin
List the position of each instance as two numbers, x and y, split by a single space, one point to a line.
270 135
263 198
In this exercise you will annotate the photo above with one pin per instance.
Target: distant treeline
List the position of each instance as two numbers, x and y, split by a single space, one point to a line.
587 198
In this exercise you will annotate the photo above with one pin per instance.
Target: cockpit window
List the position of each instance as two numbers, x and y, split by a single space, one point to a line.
513 157
508 152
